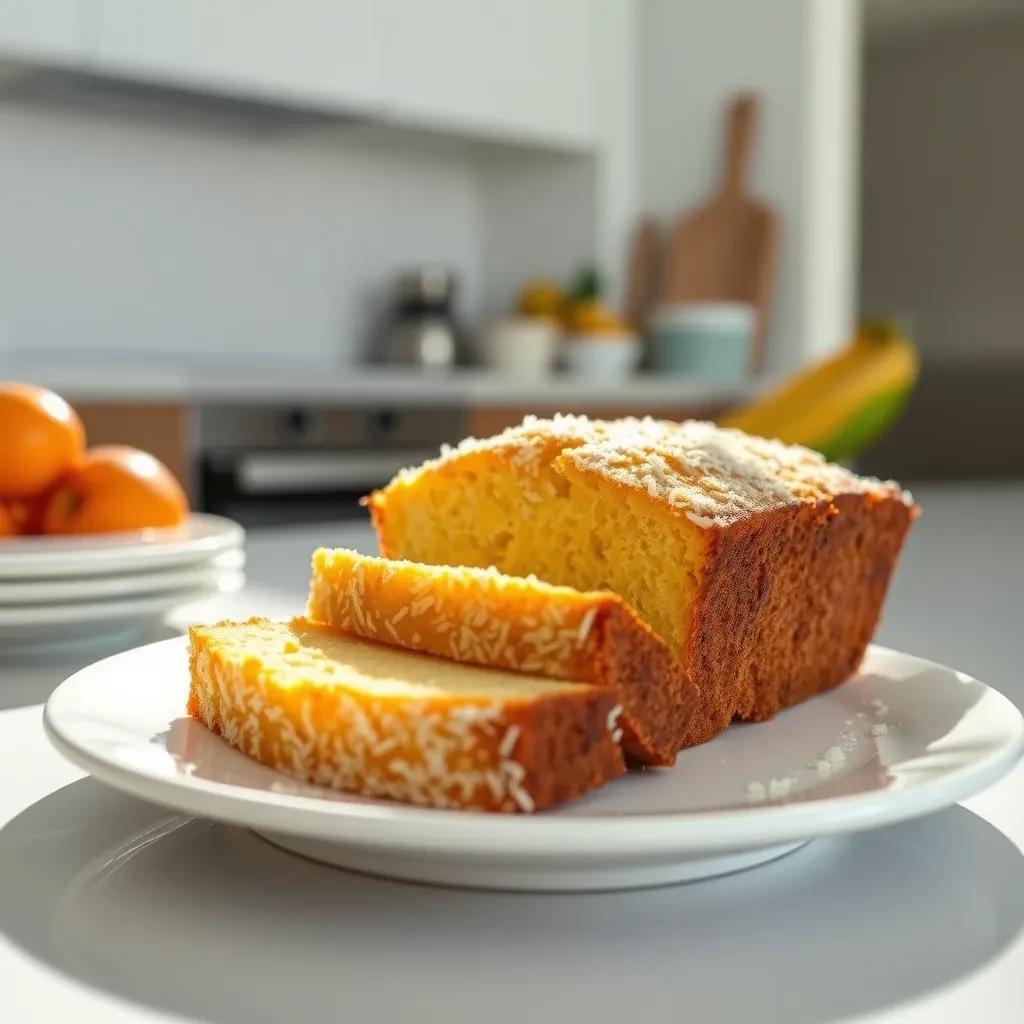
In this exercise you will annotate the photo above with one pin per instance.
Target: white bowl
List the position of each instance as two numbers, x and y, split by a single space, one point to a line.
520 346
602 356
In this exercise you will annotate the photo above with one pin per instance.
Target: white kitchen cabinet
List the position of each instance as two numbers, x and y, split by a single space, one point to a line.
48 30
519 69
323 53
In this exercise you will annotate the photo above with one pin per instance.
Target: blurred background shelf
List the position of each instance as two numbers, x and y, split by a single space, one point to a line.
377 386
286 446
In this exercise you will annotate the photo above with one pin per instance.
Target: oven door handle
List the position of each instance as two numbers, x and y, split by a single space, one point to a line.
316 472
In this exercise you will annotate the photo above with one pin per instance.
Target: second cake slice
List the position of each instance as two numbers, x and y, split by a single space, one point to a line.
484 617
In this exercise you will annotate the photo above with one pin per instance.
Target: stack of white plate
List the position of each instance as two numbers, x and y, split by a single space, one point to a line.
67 592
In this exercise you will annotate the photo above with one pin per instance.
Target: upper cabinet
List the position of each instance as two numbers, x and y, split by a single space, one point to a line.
520 71
47 30
324 53
514 68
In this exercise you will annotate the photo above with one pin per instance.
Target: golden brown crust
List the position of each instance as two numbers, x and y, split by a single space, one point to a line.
658 696
483 617
262 686
790 601
565 748
377 502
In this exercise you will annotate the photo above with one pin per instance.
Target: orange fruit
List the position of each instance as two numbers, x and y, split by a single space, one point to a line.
28 513
114 488
18 518
40 438
8 525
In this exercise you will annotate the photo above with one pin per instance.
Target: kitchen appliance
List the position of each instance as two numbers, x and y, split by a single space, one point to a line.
424 331
273 464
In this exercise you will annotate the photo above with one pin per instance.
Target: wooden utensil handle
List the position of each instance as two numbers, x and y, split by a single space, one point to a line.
739 142
644 271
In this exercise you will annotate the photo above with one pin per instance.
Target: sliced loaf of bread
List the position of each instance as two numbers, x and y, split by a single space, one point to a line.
336 710
483 617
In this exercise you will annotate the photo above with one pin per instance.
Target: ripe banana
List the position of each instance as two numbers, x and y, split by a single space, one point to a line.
843 405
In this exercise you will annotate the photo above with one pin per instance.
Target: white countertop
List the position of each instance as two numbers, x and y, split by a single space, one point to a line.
113 910
363 385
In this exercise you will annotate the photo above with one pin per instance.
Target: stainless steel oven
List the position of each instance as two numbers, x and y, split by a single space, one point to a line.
266 465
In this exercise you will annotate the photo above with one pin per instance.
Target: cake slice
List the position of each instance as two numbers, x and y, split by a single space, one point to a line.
762 567
487 618
336 710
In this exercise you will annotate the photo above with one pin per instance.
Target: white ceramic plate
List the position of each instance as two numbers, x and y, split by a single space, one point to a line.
30 628
201 537
911 737
52 590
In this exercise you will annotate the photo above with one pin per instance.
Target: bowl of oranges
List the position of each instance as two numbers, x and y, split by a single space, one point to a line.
94 540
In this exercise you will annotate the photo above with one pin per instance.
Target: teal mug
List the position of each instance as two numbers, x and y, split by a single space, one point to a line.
703 339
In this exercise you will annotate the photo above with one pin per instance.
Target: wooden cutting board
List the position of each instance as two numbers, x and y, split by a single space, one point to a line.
725 249
643 285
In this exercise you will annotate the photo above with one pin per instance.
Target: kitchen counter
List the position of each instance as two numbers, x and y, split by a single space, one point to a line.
360 385
114 910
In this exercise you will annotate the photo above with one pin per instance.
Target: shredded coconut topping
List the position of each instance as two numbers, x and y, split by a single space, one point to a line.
458 612
835 756
779 788
399 750
712 475
613 717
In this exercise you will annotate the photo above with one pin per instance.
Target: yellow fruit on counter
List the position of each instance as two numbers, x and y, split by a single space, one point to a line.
842 405
592 316
542 299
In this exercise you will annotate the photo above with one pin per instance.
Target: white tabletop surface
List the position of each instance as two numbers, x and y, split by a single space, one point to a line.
115 910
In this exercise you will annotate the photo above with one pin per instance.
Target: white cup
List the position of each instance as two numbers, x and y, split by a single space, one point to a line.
602 356
520 346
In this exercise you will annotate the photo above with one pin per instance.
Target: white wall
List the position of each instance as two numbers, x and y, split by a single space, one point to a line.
800 57
537 220
943 173
829 248
618 102
545 215
188 238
